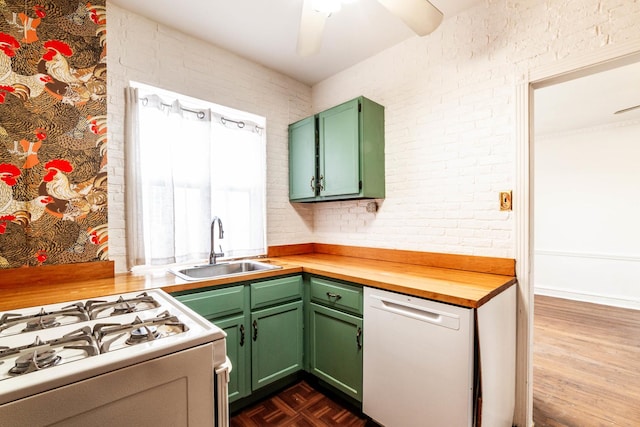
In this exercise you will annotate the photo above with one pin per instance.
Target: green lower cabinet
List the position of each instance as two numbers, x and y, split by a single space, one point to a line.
228 309
277 343
266 335
238 335
335 347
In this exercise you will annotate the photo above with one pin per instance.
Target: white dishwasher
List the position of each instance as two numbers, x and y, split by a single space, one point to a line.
418 361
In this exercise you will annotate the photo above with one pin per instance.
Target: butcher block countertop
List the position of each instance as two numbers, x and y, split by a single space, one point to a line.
464 288
456 279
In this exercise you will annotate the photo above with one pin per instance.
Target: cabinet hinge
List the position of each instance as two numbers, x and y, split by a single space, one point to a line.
359 108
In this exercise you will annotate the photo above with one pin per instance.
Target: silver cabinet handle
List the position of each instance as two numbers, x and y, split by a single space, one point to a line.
332 295
321 182
312 184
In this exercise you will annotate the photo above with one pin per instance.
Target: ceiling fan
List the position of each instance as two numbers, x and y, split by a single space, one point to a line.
419 15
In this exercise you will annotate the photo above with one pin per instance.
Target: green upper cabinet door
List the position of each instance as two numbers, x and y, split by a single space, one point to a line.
302 160
349 154
339 148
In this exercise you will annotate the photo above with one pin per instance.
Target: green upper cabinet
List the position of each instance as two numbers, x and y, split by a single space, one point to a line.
347 161
302 159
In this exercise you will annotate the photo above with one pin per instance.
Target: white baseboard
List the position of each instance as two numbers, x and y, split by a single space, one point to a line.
584 297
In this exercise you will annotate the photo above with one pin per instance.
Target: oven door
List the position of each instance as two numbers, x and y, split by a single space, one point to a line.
175 390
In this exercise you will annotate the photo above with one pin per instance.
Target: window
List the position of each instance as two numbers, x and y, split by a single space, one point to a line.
187 161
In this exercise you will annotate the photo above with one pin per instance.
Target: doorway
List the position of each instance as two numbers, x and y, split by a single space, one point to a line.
607 58
585 181
586 259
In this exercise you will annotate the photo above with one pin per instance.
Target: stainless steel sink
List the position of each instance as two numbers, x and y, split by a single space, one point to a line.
226 269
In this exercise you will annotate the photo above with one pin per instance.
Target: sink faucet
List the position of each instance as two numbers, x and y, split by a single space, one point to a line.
213 254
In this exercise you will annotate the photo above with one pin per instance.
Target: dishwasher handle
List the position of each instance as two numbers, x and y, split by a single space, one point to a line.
417 312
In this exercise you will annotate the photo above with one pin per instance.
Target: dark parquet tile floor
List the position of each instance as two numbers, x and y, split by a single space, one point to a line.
300 405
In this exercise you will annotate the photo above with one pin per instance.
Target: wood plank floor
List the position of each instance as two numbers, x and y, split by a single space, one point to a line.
586 364
300 405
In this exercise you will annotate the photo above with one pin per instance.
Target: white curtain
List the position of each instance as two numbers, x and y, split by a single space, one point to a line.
133 199
185 165
238 183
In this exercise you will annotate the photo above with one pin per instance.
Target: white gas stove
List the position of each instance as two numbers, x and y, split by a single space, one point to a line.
101 346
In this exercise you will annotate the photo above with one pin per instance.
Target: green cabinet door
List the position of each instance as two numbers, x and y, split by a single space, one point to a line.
276 348
302 159
238 342
335 349
339 166
228 309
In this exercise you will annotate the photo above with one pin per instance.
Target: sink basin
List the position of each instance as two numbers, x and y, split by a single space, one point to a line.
225 269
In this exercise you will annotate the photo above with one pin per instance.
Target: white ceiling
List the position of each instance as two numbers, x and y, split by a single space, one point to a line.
588 101
266 31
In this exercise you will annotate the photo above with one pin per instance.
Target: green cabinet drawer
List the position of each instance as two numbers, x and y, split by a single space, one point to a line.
216 303
337 295
277 291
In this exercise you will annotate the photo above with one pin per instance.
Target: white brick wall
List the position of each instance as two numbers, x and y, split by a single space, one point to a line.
450 117
143 51
450 120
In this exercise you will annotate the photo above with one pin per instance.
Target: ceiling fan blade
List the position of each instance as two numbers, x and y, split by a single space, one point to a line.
626 110
419 15
311 29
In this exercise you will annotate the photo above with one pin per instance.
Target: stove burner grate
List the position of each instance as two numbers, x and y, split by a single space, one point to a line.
34 361
44 354
44 319
42 322
121 306
138 331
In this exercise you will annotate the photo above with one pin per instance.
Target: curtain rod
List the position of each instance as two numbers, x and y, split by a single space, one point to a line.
202 115
240 123
199 114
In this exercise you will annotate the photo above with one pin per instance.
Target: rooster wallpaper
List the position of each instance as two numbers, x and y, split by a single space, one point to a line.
53 154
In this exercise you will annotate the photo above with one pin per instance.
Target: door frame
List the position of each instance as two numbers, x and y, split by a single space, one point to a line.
527 81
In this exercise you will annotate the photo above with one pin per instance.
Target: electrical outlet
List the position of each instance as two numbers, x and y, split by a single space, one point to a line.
505 200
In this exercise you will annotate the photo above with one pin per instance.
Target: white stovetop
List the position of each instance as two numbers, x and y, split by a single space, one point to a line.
200 331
